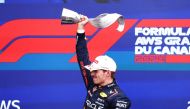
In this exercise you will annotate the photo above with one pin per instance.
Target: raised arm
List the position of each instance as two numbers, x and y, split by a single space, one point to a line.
82 52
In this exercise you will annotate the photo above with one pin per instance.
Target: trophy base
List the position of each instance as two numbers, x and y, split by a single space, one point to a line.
68 20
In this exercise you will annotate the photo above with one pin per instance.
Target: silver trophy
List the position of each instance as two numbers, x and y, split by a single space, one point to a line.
101 21
69 17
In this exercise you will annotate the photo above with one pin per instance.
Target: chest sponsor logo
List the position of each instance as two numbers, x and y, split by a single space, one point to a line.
93 105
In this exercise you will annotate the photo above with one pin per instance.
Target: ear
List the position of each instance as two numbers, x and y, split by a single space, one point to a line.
108 73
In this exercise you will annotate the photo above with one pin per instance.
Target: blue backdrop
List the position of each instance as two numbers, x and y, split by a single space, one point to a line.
49 80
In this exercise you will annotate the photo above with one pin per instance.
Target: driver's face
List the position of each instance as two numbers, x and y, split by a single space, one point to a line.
99 76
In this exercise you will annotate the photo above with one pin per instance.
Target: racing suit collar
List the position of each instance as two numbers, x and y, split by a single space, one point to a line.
108 85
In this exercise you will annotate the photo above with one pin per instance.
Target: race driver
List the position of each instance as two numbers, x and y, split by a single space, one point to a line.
102 89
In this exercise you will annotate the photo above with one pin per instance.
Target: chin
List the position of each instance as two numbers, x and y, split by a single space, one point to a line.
95 82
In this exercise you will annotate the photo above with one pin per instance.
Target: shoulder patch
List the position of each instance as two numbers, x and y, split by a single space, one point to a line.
113 92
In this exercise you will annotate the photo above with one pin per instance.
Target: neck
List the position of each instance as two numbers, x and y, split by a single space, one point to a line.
106 82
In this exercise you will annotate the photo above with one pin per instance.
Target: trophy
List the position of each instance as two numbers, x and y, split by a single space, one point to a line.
101 21
69 17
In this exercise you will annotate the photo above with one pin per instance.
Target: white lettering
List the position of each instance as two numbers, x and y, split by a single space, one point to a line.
143 49
10 103
15 104
172 41
92 105
185 41
188 32
188 105
157 50
4 105
148 40
138 31
167 31
123 105
172 50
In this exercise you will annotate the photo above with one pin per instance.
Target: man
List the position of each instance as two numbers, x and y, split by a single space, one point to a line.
102 89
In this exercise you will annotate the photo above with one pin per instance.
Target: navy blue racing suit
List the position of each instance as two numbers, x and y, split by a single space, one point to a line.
106 97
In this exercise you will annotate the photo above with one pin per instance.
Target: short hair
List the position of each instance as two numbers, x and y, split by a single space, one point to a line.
112 73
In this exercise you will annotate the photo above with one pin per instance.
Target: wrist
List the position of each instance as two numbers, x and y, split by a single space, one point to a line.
80 29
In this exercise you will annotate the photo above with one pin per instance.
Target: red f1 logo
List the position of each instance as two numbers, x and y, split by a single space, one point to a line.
25 36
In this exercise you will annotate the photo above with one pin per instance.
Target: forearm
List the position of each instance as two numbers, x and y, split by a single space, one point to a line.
81 49
80 28
83 59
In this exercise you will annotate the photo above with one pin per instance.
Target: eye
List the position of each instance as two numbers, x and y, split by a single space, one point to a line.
95 71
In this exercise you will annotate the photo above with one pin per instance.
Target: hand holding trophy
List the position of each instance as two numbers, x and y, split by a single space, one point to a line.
102 21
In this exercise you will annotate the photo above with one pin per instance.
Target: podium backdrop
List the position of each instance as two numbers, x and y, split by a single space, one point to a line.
37 54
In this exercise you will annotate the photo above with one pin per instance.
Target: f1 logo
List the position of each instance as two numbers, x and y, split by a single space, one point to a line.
49 36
